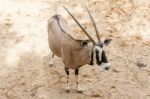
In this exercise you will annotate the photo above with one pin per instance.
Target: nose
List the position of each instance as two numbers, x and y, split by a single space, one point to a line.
107 68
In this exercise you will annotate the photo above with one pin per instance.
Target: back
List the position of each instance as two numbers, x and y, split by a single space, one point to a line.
57 33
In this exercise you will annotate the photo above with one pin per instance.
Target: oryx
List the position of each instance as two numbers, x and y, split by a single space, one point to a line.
75 53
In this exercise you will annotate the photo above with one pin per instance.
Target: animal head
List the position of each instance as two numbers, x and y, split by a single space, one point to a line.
98 55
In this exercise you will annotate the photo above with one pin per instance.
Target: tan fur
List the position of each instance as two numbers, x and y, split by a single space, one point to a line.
64 46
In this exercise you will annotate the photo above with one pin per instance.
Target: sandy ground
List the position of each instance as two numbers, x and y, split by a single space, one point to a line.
24 52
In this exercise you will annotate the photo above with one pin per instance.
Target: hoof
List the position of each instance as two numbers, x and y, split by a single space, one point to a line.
67 91
50 65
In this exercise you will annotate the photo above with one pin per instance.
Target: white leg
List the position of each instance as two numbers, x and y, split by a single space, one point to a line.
67 88
51 62
78 86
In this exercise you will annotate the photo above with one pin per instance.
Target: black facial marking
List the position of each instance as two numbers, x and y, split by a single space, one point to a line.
91 62
104 58
84 42
97 57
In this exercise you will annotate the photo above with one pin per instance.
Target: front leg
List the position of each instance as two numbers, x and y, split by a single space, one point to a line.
51 60
67 88
78 87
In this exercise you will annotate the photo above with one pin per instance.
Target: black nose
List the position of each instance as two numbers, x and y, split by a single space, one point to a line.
107 68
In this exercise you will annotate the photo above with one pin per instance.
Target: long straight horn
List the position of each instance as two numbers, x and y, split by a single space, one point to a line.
81 26
96 30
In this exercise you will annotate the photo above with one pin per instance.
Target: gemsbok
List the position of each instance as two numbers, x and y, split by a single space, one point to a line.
75 53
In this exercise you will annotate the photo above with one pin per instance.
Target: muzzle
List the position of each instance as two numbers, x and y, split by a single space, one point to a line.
105 66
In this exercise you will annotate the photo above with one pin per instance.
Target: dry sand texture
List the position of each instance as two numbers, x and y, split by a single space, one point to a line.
24 52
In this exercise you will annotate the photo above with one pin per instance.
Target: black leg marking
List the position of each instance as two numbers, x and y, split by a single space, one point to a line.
67 85
67 71
76 74
76 71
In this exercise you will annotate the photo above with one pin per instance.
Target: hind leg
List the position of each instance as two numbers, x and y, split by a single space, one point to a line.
51 62
67 88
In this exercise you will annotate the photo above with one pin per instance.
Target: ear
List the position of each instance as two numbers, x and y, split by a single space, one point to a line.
107 42
84 42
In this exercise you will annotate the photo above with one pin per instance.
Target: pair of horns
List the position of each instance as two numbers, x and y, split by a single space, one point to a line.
96 30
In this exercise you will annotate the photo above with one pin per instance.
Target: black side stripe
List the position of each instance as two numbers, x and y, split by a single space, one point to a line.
57 18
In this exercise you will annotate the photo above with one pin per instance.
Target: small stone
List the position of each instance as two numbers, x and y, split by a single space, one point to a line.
96 94
67 91
140 64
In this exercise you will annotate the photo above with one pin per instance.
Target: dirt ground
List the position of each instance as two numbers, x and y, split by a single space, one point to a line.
24 52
